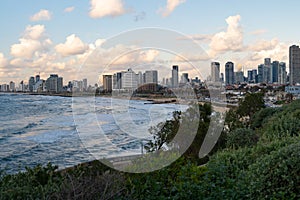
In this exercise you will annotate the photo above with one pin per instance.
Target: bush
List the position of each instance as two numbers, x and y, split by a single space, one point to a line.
241 137
276 176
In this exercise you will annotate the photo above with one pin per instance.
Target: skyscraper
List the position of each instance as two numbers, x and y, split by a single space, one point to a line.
151 76
282 73
54 83
215 72
275 68
260 75
107 83
31 83
175 76
294 63
229 73
185 78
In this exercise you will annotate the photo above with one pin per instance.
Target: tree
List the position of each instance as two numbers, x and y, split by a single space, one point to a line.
250 105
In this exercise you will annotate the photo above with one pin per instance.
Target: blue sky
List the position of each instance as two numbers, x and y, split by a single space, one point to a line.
33 36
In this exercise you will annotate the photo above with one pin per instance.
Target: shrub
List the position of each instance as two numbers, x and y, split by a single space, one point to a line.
276 176
241 137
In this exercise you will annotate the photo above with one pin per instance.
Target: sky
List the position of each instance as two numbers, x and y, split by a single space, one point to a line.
87 38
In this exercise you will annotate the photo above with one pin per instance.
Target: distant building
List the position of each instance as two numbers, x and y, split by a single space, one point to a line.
37 78
129 79
275 71
54 83
229 73
250 76
184 78
215 72
294 64
151 76
31 83
85 84
12 86
282 75
117 80
260 75
175 71
239 77
293 89
107 83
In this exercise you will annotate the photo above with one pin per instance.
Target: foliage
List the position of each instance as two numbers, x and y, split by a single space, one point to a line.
250 105
241 137
90 181
283 124
191 125
36 183
261 117
276 176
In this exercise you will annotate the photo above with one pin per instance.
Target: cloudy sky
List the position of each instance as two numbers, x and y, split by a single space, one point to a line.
83 38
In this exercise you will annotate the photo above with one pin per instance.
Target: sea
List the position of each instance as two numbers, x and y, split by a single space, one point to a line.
66 131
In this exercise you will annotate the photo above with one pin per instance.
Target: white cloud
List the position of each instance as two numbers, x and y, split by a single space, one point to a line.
103 8
34 32
26 48
264 45
229 40
72 46
3 60
170 7
42 15
33 40
69 9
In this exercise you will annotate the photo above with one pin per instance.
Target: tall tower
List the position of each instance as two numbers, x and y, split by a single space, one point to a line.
229 73
215 72
294 64
107 83
175 76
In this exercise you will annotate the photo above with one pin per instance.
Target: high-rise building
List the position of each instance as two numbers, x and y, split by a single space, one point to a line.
12 86
175 70
117 80
184 78
215 72
31 83
229 73
151 76
239 77
54 83
294 64
260 75
129 79
250 76
282 77
107 83
37 78
275 68
85 84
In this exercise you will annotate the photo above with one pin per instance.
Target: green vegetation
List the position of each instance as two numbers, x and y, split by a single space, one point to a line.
257 157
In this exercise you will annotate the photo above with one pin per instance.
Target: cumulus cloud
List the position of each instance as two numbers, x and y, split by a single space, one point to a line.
264 45
42 15
229 40
72 46
170 7
69 9
34 32
104 8
33 40
3 60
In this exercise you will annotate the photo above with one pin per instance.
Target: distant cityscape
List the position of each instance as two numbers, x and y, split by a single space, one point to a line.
268 73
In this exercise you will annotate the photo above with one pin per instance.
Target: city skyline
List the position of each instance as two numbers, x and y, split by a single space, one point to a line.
48 37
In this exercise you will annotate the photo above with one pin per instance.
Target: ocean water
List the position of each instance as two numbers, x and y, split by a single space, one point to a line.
67 131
